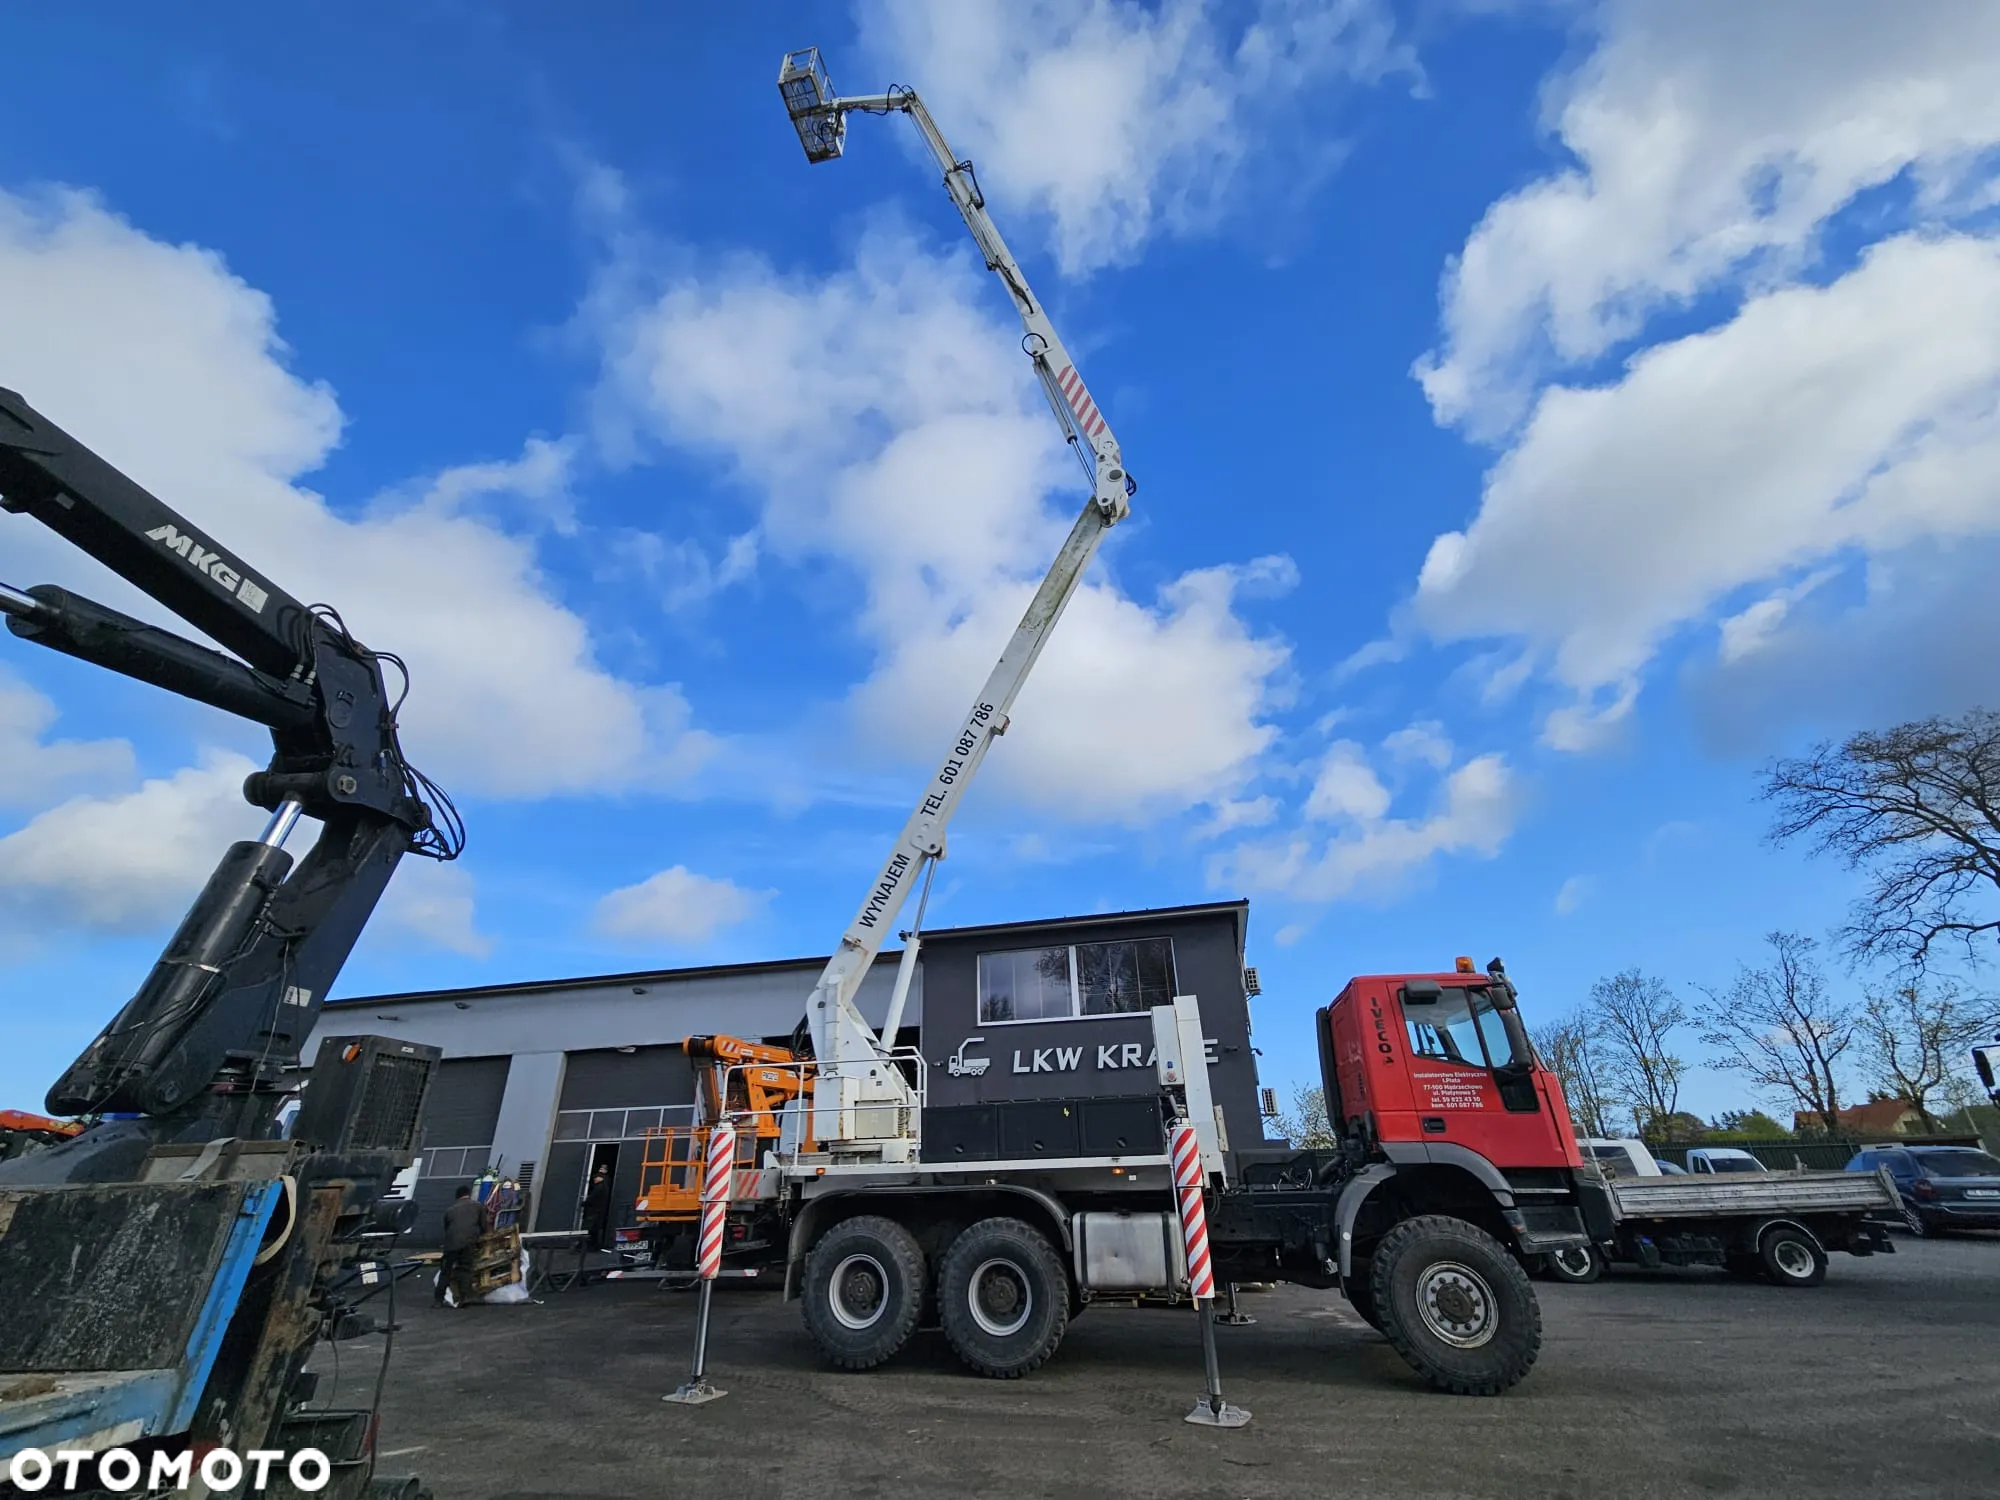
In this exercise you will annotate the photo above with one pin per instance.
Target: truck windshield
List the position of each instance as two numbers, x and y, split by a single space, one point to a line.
1460 1026
1734 1164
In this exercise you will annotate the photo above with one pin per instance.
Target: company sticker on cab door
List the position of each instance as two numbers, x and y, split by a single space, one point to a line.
1450 1091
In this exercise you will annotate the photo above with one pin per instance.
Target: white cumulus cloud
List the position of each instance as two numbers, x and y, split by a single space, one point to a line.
1346 786
170 366
1574 892
430 904
884 418
131 861
1827 433
1367 854
1820 423
1708 141
676 906
34 768
1114 120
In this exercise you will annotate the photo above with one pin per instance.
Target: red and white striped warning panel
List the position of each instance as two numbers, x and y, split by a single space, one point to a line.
715 1200
1194 1218
1089 420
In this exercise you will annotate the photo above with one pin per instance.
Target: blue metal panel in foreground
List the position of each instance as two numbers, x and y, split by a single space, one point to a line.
98 1409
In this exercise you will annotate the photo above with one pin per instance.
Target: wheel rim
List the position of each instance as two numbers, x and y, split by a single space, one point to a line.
1573 1261
1457 1305
859 1293
1793 1258
1914 1219
999 1298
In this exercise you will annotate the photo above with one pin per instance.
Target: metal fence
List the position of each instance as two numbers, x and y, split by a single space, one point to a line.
1814 1154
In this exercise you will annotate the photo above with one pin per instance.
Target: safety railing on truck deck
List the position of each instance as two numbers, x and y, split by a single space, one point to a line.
860 1124
789 1130
671 1168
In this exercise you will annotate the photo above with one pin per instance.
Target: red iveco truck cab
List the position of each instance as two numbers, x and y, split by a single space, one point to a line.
1453 1161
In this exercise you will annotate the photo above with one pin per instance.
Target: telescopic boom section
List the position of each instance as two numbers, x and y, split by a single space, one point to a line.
849 1052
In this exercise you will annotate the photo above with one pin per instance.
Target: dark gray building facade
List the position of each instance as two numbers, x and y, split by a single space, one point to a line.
1035 1034
1038 1035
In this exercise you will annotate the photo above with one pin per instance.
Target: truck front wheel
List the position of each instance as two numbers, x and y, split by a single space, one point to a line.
1456 1305
1003 1298
1359 1289
864 1286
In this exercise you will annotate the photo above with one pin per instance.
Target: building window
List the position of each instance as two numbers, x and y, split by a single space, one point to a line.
618 1124
455 1161
1085 979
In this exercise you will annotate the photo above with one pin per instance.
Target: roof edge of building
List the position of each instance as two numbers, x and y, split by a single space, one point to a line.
1239 908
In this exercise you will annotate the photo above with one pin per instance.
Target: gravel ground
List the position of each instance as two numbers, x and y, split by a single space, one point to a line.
1884 1381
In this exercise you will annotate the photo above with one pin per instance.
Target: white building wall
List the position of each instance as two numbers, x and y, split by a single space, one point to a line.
534 1084
537 1027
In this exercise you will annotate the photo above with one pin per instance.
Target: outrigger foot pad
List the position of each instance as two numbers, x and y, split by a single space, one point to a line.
700 1393
1219 1414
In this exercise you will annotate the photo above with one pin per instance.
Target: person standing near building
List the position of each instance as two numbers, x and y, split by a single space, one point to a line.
597 1209
464 1222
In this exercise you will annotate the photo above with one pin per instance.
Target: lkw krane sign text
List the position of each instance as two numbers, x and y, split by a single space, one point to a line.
1110 1055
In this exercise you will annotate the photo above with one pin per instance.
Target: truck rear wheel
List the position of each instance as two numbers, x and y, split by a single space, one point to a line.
1791 1257
1578 1265
864 1287
1003 1298
1456 1305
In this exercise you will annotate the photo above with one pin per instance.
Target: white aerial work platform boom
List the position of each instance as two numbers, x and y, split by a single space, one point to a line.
863 1104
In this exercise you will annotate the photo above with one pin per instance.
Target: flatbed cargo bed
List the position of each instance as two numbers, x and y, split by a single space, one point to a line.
1773 1193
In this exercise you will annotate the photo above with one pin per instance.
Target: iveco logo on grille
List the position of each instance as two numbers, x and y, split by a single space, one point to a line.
211 564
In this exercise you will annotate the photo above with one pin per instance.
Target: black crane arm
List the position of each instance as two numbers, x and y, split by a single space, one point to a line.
201 1050
47 474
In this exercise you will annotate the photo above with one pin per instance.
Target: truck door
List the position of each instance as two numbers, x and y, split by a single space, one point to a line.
1467 1086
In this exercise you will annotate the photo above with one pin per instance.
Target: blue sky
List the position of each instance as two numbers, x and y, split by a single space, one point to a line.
1544 414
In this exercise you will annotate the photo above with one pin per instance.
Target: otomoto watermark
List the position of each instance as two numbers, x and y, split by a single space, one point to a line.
121 1471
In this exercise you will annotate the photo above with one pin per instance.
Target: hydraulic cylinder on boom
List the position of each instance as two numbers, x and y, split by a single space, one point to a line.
863 1104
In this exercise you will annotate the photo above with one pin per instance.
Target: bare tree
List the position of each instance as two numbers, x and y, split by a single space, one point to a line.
1569 1050
1918 808
1633 1018
1305 1124
1916 1036
1784 1028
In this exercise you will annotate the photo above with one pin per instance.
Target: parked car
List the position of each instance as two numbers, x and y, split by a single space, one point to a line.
1715 1160
1942 1187
1671 1168
1621 1157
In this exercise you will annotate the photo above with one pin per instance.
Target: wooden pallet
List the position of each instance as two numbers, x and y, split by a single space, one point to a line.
495 1261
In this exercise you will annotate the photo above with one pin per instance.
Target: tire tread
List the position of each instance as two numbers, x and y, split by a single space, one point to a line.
1501 1267
902 1248
957 1265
